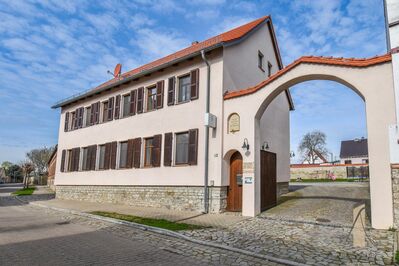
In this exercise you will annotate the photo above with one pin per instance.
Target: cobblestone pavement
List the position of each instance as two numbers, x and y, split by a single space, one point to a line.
303 242
36 236
328 201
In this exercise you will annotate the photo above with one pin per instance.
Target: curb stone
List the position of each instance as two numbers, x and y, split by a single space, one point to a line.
165 232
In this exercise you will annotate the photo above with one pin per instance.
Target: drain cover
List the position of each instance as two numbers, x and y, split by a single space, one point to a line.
62 223
322 220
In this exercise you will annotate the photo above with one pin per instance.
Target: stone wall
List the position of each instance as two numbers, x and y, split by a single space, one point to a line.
395 194
282 188
170 197
320 171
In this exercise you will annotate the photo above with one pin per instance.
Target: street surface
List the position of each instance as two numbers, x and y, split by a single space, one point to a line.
36 236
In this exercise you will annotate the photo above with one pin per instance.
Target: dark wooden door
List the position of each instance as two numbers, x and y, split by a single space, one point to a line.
234 193
268 182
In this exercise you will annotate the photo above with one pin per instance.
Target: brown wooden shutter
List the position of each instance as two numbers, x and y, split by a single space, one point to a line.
110 109
93 157
80 117
136 152
167 154
96 113
194 83
114 146
63 153
192 146
171 90
117 106
66 124
129 159
160 86
156 151
76 158
92 113
140 100
107 155
133 102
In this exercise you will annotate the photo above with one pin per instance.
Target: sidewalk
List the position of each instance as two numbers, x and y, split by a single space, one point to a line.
224 220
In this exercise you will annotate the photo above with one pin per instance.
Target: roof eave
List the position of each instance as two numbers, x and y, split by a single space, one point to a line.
91 92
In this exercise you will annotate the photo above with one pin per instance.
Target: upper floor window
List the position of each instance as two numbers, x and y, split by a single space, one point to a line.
149 145
73 124
348 161
181 156
260 61
105 111
151 98
126 106
85 159
123 155
184 91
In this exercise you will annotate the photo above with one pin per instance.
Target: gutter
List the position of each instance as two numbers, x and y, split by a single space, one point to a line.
206 172
94 91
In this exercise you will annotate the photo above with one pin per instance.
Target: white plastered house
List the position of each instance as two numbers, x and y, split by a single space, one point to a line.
141 138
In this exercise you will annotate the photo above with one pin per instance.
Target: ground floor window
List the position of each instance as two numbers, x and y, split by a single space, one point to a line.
181 156
123 155
149 145
101 162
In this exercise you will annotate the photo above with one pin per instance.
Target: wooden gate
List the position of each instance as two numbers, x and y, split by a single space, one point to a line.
268 180
234 193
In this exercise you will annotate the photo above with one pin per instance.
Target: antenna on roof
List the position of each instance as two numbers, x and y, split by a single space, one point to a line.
117 71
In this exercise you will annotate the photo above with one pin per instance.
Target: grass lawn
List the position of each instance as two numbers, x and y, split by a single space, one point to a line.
24 191
161 223
328 180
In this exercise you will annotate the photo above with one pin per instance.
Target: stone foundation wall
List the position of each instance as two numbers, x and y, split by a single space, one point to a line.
282 188
395 194
170 197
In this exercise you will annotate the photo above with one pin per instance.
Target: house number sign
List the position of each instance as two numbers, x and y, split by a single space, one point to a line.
234 123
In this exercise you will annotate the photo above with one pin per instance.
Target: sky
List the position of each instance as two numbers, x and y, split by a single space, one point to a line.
52 49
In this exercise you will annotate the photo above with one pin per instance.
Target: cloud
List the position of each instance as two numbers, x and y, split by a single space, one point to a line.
154 44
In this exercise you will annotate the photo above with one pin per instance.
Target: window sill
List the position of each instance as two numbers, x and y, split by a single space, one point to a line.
178 103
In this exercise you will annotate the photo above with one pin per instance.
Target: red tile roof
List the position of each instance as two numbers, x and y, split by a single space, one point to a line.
346 62
225 37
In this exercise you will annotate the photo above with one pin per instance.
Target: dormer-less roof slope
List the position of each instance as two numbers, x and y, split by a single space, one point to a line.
228 37
354 148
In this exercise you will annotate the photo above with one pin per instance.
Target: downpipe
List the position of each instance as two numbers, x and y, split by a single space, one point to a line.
206 170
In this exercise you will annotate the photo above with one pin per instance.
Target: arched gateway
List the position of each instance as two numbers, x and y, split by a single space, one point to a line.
370 78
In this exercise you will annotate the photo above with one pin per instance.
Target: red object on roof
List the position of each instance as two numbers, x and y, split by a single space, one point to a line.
118 70
348 62
228 36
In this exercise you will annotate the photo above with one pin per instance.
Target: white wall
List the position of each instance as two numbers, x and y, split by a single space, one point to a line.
275 129
241 61
177 118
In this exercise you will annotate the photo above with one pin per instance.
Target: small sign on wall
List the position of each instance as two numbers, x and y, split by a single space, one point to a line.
248 180
234 123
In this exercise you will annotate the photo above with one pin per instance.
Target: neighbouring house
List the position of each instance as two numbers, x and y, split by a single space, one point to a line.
52 168
141 138
354 151
318 158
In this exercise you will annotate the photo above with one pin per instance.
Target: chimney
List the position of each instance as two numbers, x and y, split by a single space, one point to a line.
194 43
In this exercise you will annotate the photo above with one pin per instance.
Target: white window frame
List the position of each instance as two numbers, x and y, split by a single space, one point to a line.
177 88
174 149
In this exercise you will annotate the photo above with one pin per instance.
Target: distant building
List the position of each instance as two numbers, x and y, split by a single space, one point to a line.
354 151
3 177
51 168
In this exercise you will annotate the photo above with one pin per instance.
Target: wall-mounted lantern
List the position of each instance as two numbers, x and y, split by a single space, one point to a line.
245 145
265 146
292 154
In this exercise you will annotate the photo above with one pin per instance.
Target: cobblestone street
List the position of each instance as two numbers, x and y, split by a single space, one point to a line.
36 236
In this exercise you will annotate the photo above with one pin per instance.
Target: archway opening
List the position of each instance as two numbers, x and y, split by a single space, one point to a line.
313 182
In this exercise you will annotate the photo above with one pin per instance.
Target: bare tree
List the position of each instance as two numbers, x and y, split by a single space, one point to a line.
27 169
312 145
39 158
